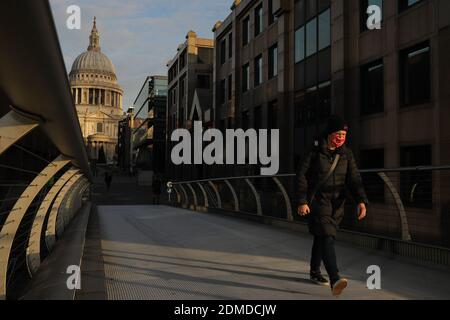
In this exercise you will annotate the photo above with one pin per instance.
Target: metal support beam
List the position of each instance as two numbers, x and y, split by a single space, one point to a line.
219 200
194 195
289 214
257 197
236 201
406 236
34 243
72 203
50 233
13 127
68 208
178 193
206 203
19 210
186 204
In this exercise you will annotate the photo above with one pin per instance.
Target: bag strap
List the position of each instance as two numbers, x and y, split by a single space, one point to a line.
332 169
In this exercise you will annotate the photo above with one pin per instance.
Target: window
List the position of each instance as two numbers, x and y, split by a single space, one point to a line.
272 115
258 71
372 88
373 159
364 6
230 87
416 186
222 91
245 120
273 61
245 78
182 60
99 127
324 30
300 44
324 101
182 87
314 104
223 51
103 98
311 37
181 117
258 118
245 31
258 19
230 45
415 75
203 81
406 4
272 17
79 96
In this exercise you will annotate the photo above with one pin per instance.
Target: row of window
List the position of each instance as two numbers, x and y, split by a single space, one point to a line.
313 37
91 76
259 22
258 69
111 130
226 84
414 77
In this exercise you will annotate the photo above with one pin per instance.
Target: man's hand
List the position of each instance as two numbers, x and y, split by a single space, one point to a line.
362 211
303 210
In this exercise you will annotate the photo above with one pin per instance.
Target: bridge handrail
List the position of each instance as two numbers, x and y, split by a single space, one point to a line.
381 172
287 175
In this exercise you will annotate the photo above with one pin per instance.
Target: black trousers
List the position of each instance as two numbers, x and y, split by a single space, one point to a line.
323 250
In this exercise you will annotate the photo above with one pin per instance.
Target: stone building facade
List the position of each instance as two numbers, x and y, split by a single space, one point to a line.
190 91
289 64
98 100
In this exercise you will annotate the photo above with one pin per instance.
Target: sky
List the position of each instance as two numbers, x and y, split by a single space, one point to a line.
139 36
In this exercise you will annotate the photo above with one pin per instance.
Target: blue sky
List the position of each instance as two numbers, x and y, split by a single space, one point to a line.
139 36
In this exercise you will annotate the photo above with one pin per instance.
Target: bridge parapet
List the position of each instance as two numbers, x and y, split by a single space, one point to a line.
407 214
41 146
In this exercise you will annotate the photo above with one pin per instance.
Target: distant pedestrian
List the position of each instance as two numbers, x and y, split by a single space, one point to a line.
108 180
324 174
156 189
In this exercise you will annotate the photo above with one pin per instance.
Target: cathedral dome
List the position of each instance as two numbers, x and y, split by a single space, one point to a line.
93 61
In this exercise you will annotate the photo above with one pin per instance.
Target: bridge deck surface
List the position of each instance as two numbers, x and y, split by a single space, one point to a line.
159 252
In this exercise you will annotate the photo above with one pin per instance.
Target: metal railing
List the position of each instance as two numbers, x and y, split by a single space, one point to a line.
408 204
44 172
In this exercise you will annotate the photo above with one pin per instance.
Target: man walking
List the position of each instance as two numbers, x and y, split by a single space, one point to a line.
108 180
324 174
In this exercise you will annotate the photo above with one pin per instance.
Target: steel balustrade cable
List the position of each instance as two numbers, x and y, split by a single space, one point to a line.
21 170
12 199
7 212
17 185
32 154
21 245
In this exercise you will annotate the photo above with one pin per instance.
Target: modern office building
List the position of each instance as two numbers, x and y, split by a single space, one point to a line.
290 64
150 136
190 74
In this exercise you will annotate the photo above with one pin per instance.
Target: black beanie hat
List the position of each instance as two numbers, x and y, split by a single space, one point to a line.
335 124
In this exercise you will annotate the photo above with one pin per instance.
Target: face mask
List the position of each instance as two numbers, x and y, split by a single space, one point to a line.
337 141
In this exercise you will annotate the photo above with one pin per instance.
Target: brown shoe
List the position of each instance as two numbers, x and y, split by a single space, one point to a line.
339 286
